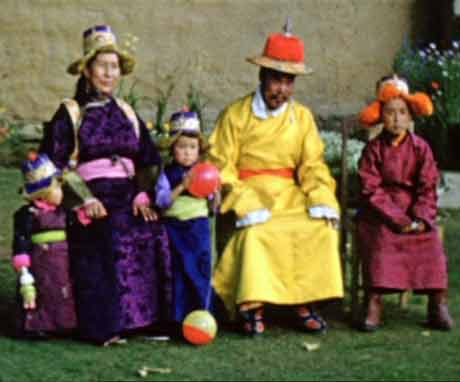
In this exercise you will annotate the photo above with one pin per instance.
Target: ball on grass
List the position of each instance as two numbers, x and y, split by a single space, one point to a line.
199 327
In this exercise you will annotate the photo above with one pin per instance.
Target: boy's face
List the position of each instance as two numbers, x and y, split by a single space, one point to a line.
396 116
186 150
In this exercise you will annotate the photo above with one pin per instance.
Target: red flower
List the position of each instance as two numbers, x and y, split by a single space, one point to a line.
435 85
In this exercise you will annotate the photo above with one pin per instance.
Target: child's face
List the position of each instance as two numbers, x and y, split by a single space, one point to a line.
54 196
186 150
396 116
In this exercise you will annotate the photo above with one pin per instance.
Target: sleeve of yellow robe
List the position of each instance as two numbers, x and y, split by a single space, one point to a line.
224 153
313 173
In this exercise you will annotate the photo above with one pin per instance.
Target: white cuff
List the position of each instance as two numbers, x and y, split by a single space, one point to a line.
321 211
254 217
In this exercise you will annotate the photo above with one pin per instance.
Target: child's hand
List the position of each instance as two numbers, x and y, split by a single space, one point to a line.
188 178
27 289
416 226
29 297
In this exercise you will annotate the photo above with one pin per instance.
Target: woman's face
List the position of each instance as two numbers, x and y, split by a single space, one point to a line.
104 72
186 150
277 88
396 116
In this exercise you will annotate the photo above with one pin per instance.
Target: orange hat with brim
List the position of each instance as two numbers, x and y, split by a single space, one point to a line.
283 52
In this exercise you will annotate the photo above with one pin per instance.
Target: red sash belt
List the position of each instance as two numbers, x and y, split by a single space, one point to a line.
282 172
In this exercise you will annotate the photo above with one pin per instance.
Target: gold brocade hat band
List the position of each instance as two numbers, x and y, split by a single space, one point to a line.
98 39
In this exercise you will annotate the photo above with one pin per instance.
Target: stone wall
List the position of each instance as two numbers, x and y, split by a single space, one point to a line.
349 44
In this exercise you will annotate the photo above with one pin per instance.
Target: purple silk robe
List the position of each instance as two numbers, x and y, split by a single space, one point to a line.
399 186
121 264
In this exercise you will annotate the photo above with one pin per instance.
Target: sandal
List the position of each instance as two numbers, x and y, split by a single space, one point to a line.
311 322
253 324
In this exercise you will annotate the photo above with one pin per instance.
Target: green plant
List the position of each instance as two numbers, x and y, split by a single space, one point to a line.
131 95
333 152
162 106
13 148
437 73
196 102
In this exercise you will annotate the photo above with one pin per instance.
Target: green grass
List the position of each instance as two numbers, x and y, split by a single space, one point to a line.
10 200
401 351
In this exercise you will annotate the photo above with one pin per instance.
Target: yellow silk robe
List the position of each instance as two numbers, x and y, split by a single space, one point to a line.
292 258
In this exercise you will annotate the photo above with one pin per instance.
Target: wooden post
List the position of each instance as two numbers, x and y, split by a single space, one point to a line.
344 199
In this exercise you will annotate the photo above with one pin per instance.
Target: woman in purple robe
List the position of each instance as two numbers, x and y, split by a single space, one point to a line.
121 260
399 241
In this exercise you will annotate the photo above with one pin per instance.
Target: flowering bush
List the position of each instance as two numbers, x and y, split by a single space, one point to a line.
333 152
436 72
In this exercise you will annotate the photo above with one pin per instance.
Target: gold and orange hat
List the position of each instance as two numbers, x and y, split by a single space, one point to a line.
100 38
395 87
283 52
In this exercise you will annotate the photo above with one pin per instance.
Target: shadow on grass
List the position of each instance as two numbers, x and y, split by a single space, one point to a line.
7 299
7 314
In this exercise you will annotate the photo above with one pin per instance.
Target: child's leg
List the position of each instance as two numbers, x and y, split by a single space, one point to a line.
438 312
374 312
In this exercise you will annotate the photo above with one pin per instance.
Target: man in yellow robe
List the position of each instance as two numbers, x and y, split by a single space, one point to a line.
284 250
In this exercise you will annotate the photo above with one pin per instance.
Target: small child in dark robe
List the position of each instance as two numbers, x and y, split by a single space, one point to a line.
40 254
186 216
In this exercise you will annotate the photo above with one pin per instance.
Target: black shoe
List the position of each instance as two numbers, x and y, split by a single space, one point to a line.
34 335
253 324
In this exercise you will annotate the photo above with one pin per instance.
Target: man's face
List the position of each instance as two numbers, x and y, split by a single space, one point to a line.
277 87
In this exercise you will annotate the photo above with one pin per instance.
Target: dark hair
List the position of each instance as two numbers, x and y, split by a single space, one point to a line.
83 88
204 146
388 77
267 72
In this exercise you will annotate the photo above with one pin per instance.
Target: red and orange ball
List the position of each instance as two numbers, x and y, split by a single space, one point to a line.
199 327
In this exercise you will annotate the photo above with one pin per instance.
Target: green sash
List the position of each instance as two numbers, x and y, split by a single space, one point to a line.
49 237
187 207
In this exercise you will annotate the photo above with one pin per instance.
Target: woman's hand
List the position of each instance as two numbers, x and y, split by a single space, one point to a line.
95 209
141 206
147 213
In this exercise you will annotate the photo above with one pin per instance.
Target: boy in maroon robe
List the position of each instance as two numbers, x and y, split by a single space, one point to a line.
399 241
